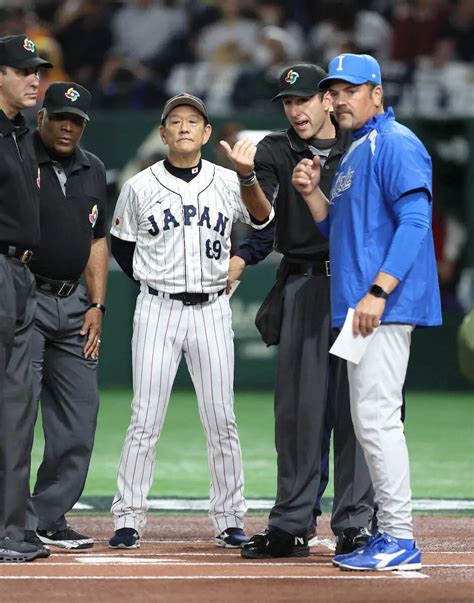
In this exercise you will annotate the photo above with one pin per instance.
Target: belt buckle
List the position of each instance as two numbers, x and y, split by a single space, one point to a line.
327 264
26 256
65 289
189 300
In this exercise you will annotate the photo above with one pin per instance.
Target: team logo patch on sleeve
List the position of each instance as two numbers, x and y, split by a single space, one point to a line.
93 216
118 223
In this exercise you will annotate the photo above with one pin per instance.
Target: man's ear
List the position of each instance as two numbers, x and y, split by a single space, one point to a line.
163 134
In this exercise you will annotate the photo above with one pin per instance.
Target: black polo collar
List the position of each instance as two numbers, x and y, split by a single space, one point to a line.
7 126
301 146
42 155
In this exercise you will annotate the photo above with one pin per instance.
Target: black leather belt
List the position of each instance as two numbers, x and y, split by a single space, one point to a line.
188 299
59 288
321 268
24 255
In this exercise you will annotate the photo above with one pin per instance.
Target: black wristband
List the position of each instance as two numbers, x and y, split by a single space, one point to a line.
101 307
377 291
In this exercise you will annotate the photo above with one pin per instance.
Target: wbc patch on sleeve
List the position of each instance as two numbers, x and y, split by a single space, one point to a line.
94 214
118 222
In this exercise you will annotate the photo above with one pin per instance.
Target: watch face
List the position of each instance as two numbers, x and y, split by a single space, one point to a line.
377 291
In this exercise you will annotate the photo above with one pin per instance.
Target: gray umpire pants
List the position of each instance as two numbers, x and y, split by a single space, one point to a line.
309 379
66 384
17 414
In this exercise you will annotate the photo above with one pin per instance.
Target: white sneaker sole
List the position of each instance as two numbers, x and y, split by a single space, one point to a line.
86 543
393 568
324 542
124 546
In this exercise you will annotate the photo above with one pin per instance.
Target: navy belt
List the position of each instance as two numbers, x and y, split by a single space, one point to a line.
188 299
54 287
24 255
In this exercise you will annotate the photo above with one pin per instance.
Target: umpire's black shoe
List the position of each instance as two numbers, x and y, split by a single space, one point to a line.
351 539
66 539
274 542
14 551
32 538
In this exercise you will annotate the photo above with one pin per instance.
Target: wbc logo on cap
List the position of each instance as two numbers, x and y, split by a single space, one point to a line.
29 45
291 77
72 94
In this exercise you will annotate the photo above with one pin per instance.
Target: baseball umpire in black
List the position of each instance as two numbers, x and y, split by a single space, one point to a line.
66 338
312 393
19 238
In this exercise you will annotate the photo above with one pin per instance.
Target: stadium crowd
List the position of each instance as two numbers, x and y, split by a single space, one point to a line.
135 53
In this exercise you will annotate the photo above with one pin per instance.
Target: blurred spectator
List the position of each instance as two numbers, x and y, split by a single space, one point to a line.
273 14
142 27
231 38
84 32
415 26
456 35
345 28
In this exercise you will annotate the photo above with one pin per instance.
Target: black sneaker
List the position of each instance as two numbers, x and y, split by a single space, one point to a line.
14 551
351 539
32 538
125 538
232 538
275 542
66 539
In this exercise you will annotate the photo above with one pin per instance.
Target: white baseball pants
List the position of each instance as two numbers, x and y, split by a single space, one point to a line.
376 399
163 330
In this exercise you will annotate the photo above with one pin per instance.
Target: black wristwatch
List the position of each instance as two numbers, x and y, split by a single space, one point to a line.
101 307
377 291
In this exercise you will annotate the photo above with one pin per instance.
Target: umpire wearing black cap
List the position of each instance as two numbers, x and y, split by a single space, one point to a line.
19 238
66 337
312 394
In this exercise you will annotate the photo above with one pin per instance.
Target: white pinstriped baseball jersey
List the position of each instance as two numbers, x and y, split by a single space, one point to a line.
181 229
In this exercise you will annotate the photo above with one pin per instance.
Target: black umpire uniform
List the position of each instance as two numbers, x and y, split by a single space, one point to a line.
312 391
19 237
73 210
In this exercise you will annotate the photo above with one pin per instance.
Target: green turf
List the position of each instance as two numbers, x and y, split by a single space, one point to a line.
439 427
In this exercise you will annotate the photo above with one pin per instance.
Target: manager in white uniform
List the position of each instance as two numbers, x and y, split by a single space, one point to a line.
171 232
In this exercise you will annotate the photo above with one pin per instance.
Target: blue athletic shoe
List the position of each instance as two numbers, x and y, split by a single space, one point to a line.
383 553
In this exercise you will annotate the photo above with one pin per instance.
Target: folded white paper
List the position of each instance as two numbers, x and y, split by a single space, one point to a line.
233 287
349 347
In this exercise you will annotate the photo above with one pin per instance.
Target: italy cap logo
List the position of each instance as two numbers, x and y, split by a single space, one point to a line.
29 45
72 94
291 77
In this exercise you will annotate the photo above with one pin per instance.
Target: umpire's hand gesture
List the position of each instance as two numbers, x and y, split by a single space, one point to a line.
242 155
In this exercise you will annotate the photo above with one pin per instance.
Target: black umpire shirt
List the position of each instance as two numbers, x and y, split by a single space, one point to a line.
19 202
296 235
72 211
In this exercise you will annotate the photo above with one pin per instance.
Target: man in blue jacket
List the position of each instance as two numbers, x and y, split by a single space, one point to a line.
378 219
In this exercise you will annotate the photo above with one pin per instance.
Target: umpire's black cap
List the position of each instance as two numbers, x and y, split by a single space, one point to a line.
20 52
300 80
67 97
184 99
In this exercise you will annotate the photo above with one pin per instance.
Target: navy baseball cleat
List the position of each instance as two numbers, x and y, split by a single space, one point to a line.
125 538
232 538
382 553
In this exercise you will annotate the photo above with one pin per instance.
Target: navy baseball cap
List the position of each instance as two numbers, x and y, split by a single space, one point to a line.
300 80
20 52
184 99
67 97
353 68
